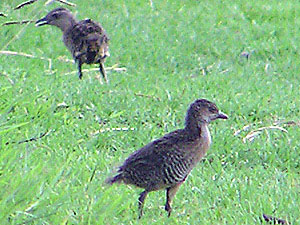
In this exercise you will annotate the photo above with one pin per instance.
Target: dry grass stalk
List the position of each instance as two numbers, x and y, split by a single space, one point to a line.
60 58
112 129
114 68
61 1
23 54
18 22
66 2
24 4
27 56
151 4
2 14
64 59
245 128
147 96
16 36
17 54
253 134
8 78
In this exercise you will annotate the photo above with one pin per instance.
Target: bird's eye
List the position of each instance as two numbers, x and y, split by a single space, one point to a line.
213 109
55 15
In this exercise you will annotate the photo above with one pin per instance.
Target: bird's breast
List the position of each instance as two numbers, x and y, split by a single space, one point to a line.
205 136
202 144
69 42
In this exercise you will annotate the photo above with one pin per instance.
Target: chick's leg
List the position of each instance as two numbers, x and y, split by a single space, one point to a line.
102 71
171 191
141 202
79 64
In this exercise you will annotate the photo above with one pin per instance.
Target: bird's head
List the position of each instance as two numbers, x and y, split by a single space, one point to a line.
59 17
204 111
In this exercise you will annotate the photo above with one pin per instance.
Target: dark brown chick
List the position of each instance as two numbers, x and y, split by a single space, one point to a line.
86 40
166 162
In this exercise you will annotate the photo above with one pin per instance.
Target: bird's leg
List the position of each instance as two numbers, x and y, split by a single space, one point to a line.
171 191
102 71
79 64
141 202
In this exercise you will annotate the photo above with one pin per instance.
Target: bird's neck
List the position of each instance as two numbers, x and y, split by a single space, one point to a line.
200 135
65 25
192 125
197 129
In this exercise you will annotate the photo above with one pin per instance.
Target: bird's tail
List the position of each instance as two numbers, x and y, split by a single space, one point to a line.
116 179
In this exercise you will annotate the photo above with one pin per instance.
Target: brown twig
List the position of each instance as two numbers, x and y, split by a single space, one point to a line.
24 4
147 96
35 138
2 14
93 174
31 139
17 22
16 36
273 220
287 123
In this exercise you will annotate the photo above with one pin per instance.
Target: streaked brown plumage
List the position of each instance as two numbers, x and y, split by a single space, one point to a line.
166 162
86 40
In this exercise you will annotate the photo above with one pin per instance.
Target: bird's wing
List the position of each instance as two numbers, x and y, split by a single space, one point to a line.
89 36
84 28
155 153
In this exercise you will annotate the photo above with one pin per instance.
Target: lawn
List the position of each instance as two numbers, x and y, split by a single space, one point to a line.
57 137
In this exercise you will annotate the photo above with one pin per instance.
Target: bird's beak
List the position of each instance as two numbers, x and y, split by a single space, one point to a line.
41 22
222 115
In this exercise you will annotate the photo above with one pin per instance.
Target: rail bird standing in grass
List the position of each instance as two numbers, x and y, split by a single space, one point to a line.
166 162
86 39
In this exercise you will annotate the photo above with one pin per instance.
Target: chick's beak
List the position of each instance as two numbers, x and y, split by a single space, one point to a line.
41 22
222 115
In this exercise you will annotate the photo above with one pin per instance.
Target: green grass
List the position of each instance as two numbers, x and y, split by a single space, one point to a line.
174 53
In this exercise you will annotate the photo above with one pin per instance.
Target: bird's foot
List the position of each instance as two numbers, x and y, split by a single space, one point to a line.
168 209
